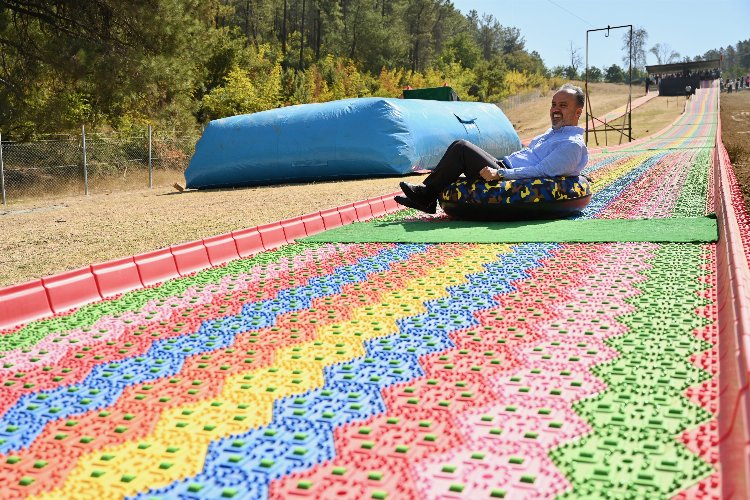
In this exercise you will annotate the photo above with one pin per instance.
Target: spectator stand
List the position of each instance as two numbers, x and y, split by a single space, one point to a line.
671 79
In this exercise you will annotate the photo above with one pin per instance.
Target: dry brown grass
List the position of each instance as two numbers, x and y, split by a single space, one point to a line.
646 119
39 238
532 119
76 231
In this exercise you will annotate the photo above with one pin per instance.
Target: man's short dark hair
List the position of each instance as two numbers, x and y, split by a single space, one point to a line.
578 91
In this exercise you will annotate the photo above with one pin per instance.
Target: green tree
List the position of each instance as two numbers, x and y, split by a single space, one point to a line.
104 62
491 80
595 74
123 65
614 74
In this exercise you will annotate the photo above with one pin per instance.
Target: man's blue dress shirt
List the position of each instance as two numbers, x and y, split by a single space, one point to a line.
557 152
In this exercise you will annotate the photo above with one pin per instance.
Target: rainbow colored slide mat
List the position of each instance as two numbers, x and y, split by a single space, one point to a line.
380 370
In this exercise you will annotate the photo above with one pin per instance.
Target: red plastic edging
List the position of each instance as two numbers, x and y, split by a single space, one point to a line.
272 235
221 249
156 266
733 274
23 303
190 257
363 210
331 218
314 223
248 242
390 204
377 206
348 214
71 289
293 228
116 276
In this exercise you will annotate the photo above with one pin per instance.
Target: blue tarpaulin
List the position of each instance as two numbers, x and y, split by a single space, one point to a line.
351 138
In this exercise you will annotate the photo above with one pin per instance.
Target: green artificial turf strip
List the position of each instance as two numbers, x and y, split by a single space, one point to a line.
672 230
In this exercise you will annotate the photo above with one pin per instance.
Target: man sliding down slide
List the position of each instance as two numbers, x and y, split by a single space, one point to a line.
560 151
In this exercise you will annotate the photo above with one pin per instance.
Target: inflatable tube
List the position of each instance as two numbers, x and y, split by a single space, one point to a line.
550 198
351 138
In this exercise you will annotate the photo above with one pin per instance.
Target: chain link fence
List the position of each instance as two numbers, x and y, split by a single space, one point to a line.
68 165
516 100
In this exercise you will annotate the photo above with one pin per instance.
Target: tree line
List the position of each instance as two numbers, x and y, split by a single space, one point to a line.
180 63
735 58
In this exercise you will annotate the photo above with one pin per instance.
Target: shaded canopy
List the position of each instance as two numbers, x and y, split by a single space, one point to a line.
683 67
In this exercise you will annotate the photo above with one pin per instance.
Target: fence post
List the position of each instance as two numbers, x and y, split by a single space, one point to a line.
2 171
85 167
150 166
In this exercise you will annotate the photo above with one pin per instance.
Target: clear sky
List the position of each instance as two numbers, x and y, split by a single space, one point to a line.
689 27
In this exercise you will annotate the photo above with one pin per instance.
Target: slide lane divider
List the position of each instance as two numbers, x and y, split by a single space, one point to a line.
733 273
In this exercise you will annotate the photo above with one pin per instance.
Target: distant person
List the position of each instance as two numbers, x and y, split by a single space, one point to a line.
688 91
560 151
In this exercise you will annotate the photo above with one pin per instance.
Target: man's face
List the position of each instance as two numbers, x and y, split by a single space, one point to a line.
564 110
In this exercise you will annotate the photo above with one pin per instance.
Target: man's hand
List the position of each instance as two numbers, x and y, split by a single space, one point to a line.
489 174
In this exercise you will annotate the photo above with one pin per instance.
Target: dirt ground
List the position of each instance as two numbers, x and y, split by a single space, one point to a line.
42 238
735 132
72 232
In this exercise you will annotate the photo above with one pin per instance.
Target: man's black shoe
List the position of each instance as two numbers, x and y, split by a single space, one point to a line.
408 202
418 192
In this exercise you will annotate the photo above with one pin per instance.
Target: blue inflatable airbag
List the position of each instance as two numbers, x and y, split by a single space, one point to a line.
350 138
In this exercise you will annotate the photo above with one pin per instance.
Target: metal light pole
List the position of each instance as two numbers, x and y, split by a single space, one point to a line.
630 81
150 166
2 171
85 167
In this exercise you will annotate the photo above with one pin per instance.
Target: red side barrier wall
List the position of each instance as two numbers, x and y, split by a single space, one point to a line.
116 276
71 289
42 298
734 329
156 266
221 249
23 303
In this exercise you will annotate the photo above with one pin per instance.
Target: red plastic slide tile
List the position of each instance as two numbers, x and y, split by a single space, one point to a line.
293 228
348 214
331 218
314 223
157 266
23 303
248 242
116 276
190 257
71 289
221 249
272 235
